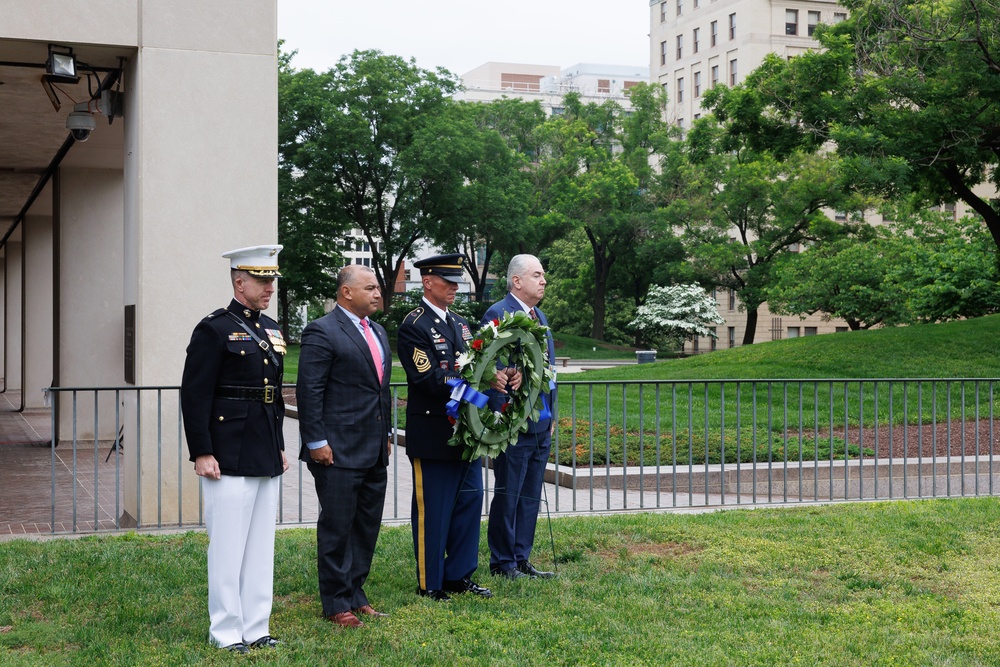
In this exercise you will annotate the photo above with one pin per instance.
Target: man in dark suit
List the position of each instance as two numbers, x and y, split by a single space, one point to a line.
447 491
233 412
343 400
520 470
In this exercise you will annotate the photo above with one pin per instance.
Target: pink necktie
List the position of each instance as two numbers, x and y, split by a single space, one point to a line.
373 347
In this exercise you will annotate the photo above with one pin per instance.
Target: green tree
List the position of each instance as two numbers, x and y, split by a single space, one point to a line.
740 208
375 148
596 173
493 195
845 278
926 268
308 227
908 92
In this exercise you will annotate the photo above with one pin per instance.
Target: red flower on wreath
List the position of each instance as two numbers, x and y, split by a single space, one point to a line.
503 408
477 344
495 323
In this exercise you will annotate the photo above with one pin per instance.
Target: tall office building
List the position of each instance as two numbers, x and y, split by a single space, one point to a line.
698 44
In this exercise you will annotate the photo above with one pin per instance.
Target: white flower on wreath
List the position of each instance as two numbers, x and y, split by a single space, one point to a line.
464 359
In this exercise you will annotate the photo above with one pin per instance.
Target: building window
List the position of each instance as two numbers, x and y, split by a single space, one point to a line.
680 89
628 85
732 336
680 46
842 330
950 209
714 33
732 26
680 123
558 111
694 344
732 72
713 339
663 53
663 12
697 116
839 216
810 331
697 84
793 332
732 300
525 83
839 17
604 85
695 4
715 75
791 21
695 38
813 22
666 91
680 7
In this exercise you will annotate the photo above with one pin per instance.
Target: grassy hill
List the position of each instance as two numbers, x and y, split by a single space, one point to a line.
966 349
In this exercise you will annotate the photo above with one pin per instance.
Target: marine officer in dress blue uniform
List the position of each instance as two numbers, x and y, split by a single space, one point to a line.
233 411
447 491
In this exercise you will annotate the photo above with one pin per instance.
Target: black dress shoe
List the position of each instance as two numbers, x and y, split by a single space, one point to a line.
437 596
467 586
512 573
267 641
525 567
238 647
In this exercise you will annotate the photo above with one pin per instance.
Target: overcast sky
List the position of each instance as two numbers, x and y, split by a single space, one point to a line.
463 34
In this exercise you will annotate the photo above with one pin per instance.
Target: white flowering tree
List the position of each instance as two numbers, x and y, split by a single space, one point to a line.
676 313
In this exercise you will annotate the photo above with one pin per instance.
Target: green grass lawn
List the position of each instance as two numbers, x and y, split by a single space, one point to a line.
900 583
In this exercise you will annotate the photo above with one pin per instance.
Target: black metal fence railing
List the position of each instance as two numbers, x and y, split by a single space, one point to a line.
119 460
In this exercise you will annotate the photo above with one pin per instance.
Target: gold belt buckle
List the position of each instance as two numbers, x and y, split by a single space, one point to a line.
269 394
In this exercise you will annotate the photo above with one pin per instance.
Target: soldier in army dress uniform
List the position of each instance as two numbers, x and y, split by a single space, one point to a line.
447 491
233 411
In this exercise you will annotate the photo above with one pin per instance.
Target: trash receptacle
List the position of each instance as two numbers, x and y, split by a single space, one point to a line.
645 356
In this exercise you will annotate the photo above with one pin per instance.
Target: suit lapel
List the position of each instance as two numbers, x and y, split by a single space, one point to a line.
354 334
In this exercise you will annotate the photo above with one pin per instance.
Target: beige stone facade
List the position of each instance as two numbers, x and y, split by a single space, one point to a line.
697 44
134 219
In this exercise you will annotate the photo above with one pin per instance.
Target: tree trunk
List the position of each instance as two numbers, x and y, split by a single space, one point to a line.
980 206
602 269
751 331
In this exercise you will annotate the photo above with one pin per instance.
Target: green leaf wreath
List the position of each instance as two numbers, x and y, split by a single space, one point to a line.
515 341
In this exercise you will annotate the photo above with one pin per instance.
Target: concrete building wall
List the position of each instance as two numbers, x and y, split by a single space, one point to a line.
91 277
193 175
13 339
38 294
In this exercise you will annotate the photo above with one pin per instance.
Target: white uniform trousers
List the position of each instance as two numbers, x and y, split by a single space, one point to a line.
240 516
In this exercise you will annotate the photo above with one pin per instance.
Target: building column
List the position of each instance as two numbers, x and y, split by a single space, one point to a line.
38 316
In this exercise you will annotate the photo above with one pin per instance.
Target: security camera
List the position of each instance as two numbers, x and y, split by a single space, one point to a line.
81 124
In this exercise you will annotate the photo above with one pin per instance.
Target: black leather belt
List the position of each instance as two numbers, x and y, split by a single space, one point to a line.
263 394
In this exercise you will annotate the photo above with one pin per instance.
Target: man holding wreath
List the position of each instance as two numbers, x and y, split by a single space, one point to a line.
447 490
519 470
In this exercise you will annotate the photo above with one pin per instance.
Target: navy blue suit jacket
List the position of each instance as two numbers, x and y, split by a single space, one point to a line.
510 305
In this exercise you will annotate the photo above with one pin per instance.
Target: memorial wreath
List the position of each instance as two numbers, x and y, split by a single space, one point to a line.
516 341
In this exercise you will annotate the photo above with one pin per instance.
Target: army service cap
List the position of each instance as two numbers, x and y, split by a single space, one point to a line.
450 267
258 260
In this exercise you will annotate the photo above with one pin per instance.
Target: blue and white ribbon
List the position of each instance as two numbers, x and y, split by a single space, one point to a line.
462 392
